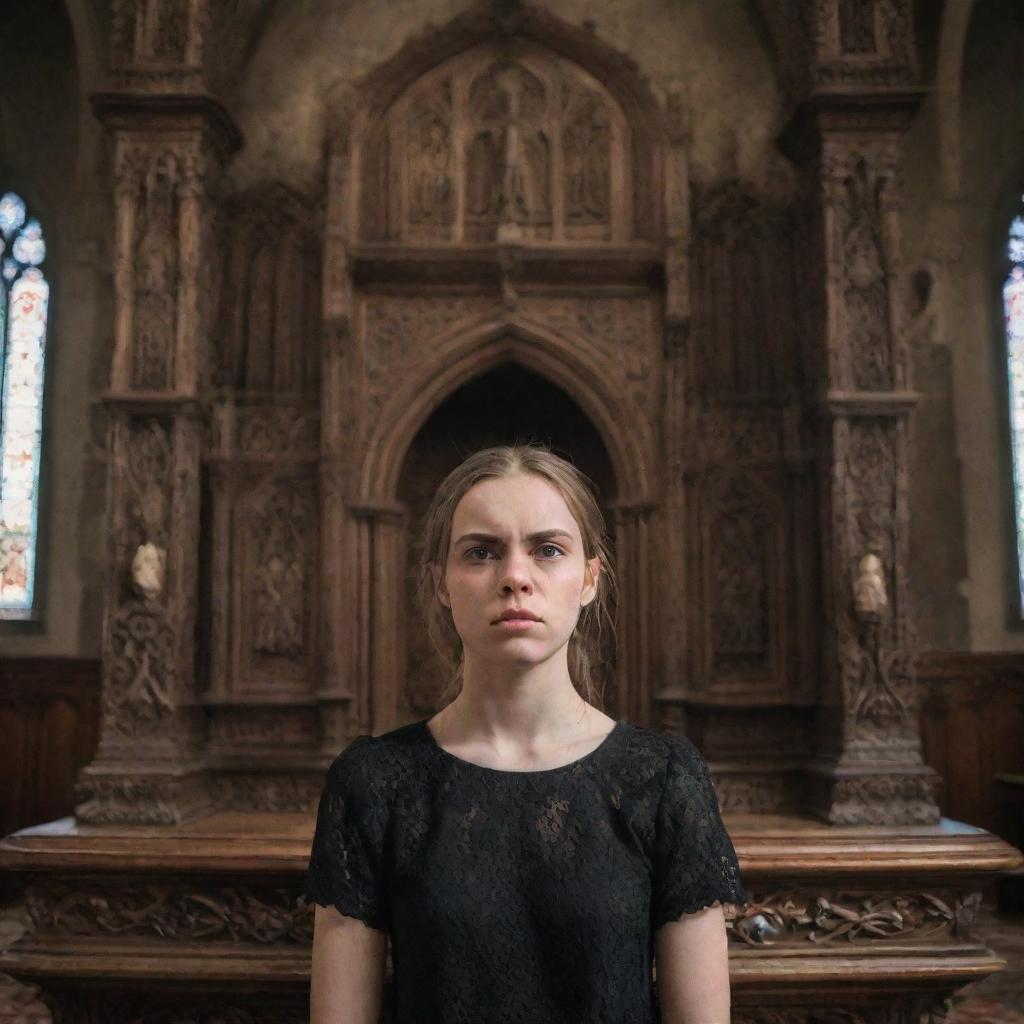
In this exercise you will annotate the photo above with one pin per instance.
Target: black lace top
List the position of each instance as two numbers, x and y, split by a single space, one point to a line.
521 896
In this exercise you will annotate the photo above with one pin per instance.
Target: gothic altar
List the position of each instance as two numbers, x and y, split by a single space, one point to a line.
506 222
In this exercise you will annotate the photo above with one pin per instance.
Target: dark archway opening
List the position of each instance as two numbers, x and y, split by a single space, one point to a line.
507 405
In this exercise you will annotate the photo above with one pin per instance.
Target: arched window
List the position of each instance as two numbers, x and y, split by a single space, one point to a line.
24 294
1013 306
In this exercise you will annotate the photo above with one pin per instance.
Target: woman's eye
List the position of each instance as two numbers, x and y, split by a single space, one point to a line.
553 547
471 551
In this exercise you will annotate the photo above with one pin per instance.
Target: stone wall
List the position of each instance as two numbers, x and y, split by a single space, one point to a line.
964 154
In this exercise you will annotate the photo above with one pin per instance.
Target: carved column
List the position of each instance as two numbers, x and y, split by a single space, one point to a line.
340 715
632 545
169 143
847 138
670 714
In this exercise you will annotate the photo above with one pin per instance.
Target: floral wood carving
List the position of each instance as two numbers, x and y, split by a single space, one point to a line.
279 529
865 289
268 916
883 798
786 918
271 792
139 677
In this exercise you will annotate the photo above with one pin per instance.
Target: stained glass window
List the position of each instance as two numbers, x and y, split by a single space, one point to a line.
24 294
1013 305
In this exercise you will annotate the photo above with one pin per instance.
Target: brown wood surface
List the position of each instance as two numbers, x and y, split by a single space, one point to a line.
972 721
236 842
49 724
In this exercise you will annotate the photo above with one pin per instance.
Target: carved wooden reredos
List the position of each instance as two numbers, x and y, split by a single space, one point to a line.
506 136
509 246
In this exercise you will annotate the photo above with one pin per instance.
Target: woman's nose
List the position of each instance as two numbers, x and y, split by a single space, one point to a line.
517 574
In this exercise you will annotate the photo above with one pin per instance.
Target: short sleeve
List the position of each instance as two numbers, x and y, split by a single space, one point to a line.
695 864
346 863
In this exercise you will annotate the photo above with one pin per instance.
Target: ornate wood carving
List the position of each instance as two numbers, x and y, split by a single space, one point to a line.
744 591
196 915
827 45
271 791
926 1009
846 138
269 327
166 156
507 146
154 258
795 918
177 913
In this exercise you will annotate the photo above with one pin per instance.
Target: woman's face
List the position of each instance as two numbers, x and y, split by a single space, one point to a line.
515 545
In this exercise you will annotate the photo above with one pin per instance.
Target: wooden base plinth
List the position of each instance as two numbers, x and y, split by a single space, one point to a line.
202 920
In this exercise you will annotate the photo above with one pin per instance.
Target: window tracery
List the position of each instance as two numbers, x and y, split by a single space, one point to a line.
1013 308
24 297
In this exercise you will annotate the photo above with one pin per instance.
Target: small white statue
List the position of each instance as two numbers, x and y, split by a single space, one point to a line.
148 567
869 587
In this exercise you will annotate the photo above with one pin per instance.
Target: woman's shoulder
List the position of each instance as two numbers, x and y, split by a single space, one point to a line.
663 744
384 757
650 753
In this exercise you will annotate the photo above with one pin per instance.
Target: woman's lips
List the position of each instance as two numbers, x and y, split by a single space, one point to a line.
516 625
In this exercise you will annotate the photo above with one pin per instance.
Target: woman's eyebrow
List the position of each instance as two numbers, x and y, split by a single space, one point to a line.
539 535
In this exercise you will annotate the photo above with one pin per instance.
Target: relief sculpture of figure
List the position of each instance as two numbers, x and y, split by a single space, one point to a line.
148 567
432 183
156 262
869 588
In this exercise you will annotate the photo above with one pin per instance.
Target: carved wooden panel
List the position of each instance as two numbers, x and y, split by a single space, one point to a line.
49 720
494 144
746 294
268 339
745 591
274 584
972 720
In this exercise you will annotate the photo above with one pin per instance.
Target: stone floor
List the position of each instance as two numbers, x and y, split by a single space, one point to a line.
998 999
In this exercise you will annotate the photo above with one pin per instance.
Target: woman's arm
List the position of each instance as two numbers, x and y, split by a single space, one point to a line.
347 977
692 960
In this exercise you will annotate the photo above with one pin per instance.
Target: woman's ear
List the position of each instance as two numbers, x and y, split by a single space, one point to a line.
591 576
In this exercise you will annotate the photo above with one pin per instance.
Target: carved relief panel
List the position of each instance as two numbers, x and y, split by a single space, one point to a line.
514 139
751 483
263 583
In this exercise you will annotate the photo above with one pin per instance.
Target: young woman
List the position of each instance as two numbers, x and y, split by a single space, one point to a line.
529 856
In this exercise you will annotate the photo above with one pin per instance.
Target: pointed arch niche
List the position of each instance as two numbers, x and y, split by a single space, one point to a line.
504 405
497 215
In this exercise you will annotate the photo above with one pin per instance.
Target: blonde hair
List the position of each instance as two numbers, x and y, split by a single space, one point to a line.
587 644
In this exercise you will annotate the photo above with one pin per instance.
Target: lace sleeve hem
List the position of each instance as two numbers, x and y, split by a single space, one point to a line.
348 907
733 906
